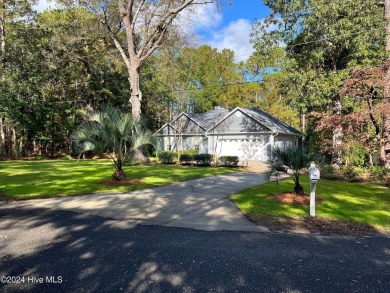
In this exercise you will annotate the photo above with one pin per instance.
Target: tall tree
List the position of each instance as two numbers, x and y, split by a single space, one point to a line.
385 145
318 55
138 28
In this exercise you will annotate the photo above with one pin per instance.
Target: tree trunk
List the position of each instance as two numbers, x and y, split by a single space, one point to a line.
136 94
337 135
385 142
14 150
2 137
2 31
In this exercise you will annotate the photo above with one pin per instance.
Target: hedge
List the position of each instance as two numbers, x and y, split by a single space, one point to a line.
203 159
166 157
229 161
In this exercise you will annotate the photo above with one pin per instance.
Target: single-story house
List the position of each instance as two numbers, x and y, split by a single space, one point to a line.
248 133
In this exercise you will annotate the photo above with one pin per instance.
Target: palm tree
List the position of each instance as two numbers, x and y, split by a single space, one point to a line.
291 161
117 133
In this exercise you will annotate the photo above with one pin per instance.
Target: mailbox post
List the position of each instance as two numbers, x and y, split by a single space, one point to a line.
314 174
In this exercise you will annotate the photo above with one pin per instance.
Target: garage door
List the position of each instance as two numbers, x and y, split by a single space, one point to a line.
257 149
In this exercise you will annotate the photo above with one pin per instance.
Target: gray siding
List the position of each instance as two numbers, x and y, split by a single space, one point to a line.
167 130
186 126
243 123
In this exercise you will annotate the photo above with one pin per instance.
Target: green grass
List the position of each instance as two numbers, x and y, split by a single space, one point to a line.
38 179
361 203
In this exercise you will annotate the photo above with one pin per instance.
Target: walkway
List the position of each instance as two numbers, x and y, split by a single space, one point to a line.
201 204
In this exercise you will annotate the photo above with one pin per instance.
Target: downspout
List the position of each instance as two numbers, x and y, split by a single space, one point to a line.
273 144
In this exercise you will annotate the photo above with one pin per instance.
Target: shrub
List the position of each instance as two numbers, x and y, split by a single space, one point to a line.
186 159
379 172
229 161
189 152
203 159
166 157
350 173
329 172
67 157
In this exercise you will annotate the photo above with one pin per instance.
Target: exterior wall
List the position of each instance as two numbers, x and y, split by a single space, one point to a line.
284 141
186 126
182 143
240 122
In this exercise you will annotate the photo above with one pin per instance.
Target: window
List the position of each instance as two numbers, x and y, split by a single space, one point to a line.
197 147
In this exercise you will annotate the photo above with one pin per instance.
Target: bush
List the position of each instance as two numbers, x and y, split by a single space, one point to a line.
351 174
329 172
186 159
229 161
67 157
379 172
189 152
203 159
166 157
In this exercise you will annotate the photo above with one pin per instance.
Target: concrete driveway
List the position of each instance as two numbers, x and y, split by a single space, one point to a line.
201 204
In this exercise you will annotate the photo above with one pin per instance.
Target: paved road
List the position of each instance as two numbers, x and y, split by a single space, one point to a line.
96 254
198 204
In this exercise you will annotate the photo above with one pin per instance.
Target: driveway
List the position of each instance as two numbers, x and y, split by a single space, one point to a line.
201 204
62 251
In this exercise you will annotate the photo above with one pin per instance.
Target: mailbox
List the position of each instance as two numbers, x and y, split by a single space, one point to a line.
314 172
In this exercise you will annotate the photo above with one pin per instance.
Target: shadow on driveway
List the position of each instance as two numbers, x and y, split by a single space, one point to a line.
95 254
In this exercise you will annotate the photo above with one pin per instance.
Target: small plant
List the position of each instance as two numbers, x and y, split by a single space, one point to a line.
379 172
67 157
166 157
203 159
350 173
40 157
329 172
229 161
185 159
292 161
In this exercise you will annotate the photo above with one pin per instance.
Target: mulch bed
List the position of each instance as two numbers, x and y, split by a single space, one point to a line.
292 198
122 182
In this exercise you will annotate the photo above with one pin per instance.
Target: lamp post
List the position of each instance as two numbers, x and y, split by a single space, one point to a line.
314 175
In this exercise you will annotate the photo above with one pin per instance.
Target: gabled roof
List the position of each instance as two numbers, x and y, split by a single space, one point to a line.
213 118
269 121
210 118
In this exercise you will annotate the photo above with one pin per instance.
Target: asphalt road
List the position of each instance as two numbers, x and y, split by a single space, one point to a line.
84 253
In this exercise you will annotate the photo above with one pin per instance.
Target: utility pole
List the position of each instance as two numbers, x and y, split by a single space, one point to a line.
385 144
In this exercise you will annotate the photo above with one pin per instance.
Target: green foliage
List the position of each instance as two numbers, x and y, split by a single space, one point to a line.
229 161
203 159
351 173
379 172
356 156
166 157
329 172
292 161
114 132
189 152
186 158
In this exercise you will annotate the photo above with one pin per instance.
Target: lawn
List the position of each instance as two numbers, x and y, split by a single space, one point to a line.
343 202
38 179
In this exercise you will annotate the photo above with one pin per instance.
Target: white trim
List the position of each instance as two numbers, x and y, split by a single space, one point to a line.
168 135
185 114
162 127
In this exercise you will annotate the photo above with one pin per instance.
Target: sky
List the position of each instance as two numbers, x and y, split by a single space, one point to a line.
231 27
228 27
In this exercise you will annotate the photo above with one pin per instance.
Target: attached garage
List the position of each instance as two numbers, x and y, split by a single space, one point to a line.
248 133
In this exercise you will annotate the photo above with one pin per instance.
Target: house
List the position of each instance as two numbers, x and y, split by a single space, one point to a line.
248 133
